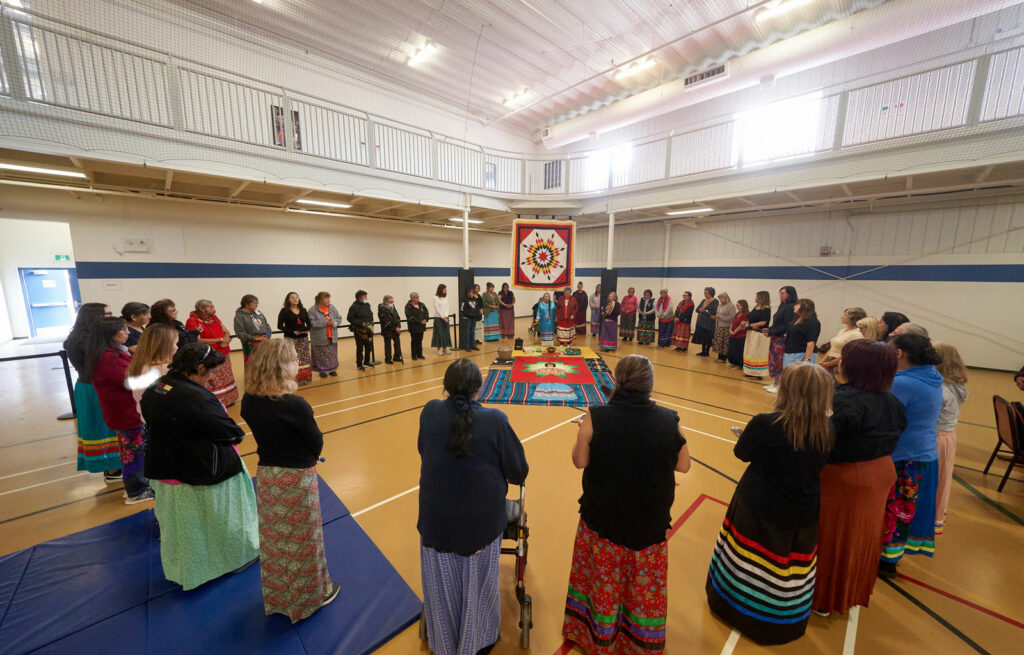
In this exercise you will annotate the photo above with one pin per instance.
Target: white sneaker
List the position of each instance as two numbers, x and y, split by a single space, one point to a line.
771 388
737 430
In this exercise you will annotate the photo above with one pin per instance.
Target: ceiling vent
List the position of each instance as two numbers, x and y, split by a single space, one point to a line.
546 133
707 75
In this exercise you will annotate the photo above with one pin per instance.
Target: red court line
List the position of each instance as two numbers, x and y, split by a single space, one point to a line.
567 646
964 601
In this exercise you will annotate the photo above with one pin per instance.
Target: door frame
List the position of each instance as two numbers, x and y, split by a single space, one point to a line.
76 294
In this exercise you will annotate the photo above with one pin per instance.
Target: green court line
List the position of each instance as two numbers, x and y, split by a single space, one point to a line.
1013 517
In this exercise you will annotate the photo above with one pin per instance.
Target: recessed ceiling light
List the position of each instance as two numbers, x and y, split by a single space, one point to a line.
635 67
472 221
44 171
681 212
422 54
321 203
779 8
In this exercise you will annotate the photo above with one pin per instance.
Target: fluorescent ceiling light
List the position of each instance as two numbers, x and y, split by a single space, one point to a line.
421 54
517 98
44 171
635 67
779 8
681 212
472 221
321 203
292 210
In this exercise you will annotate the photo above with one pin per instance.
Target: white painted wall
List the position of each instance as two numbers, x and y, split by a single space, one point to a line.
208 233
981 319
26 244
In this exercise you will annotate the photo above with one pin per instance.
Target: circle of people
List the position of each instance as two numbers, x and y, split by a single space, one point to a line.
848 473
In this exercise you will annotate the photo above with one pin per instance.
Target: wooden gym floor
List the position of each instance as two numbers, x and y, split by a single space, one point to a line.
964 600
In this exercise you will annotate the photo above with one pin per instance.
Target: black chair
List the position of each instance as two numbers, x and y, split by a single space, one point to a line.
1010 427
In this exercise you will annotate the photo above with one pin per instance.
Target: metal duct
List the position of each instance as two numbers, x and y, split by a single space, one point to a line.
892 22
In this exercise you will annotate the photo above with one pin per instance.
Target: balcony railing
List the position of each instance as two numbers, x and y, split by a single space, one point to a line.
46 64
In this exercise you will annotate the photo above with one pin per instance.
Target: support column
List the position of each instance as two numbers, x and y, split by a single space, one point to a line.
611 238
666 255
465 238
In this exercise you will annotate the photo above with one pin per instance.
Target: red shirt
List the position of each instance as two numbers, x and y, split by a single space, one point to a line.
211 328
116 401
741 334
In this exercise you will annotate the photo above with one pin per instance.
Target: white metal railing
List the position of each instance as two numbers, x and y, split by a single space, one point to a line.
56 65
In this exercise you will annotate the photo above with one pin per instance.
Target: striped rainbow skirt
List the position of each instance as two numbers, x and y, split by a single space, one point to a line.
761 579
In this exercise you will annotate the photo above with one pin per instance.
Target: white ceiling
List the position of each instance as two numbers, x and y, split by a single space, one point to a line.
565 51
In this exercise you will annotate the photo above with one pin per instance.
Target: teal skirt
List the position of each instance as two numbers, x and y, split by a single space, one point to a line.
98 450
206 531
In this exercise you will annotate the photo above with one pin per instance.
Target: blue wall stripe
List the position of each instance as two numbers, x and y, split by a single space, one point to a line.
907 273
137 270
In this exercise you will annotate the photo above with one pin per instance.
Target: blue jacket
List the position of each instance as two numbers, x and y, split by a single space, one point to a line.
920 390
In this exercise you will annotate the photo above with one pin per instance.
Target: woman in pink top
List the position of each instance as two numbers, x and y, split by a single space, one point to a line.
627 319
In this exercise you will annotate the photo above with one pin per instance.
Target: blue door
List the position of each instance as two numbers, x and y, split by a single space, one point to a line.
48 299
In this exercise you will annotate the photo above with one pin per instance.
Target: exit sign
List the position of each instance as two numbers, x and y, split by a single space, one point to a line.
62 258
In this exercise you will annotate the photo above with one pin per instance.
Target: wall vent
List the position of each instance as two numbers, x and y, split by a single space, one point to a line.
708 74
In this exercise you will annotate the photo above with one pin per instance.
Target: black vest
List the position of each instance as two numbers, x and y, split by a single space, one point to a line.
629 484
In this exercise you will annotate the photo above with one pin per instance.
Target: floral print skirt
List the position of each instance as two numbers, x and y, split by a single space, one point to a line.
910 511
618 597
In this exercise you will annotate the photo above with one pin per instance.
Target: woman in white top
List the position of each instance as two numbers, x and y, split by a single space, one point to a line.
153 355
442 338
846 334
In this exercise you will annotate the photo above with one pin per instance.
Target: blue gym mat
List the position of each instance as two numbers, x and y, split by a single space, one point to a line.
103 591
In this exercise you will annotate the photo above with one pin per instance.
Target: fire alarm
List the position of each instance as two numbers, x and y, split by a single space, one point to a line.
826 251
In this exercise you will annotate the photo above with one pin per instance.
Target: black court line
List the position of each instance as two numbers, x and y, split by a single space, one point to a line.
70 502
712 468
982 471
24 443
978 425
690 370
932 613
697 402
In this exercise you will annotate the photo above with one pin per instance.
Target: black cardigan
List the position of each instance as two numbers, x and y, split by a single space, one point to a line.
190 437
286 432
290 323
415 315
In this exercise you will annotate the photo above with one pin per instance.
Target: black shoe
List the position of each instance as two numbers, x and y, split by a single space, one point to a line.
388 361
370 364
702 355
333 374
112 477
399 360
360 368
322 374
886 570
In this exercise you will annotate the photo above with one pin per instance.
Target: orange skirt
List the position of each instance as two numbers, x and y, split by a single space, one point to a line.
850 532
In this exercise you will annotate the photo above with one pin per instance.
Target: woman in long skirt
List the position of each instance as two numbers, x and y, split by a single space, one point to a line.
627 319
645 319
442 337
581 308
546 319
213 333
723 323
595 311
681 325
610 324
666 319
507 312
761 578
324 319
492 332
777 335
705 329
855 484
565 318
293 322
98 448
292 561
910 512
461 525
756 344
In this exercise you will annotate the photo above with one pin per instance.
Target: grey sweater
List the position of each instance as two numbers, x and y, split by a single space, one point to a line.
318 325
954 394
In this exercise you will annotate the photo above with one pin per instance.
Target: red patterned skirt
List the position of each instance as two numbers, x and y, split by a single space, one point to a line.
292 561
681 335
222 383
305 374
776 349
618 598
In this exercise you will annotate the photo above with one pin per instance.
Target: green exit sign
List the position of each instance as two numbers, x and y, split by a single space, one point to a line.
62 258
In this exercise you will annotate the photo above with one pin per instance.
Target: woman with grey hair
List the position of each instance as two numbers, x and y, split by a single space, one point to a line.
205 322
324 319
723 321
416 316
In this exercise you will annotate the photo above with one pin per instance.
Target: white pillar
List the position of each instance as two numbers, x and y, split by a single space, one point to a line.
611 238
666 255
465 238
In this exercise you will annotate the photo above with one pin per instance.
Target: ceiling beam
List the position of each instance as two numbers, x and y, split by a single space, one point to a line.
750 203
301 194
168 180
240 187
846 189
794 196
985 172
910 183
78 164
